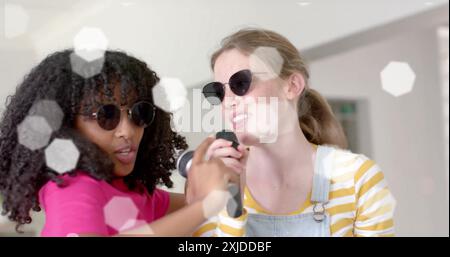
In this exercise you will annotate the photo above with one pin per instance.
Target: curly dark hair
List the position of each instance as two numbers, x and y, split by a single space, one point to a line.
23 171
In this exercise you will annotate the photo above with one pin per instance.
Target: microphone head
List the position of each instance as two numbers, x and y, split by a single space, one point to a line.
229 136
184 162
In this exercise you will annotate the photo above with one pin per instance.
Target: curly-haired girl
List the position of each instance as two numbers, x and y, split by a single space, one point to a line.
126 149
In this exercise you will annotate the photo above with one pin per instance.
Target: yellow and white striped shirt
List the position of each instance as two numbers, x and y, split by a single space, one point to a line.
360 203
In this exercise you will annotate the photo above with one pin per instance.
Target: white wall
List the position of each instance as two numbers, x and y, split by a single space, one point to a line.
14 63
407 132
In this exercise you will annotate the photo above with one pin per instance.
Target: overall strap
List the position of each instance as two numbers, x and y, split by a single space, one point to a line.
321 182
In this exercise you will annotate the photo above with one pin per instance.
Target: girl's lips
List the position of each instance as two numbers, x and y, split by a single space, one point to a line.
238 119
126 157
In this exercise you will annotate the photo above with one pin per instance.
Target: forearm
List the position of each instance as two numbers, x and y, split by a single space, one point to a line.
180 223
177 201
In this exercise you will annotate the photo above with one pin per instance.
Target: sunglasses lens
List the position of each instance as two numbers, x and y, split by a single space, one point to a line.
214 93
143 113
108 117
240 82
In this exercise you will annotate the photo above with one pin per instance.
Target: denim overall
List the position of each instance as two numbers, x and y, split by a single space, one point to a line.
315 224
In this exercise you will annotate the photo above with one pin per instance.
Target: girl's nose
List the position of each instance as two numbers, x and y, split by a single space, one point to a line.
126 127
230 99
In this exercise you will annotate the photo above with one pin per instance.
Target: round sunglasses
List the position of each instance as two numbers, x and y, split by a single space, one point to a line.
108 116
239 84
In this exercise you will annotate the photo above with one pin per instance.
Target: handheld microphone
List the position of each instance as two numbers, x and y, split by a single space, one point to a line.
184 161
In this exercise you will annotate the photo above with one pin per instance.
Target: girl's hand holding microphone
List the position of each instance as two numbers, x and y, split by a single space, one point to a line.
206 195
224 154
233 158
208 179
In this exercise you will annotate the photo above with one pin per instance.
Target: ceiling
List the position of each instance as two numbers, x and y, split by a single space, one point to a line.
177 37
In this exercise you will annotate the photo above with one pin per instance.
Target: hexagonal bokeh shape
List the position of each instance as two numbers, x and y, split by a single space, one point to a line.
266 63
15 21
62 155
121 213
90 44
170 94
50 110
397 78
34 132
128 225
84 68
214 202
137 227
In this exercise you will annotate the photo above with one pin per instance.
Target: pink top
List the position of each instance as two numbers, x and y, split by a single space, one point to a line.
89 206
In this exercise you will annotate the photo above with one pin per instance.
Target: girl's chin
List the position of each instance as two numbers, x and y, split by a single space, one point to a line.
253 139
247 139
122 171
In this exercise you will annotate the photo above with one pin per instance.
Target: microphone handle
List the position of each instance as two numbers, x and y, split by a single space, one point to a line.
234 205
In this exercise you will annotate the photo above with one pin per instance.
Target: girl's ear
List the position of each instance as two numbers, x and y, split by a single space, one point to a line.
295 84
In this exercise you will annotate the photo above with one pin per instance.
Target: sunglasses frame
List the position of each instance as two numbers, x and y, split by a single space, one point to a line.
129 113
230 85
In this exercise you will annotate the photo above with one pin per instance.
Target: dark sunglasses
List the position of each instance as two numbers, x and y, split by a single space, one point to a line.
141 113
239 84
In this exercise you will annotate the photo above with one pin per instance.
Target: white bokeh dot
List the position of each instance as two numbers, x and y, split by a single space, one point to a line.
34 132
72 235
137 227
62 155
50 110
266 63
170 94
90 45
86 69
397 78
16 20
129 224
214 202
120 213
174 126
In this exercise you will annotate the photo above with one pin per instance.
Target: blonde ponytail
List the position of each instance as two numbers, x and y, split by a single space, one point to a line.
317 121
